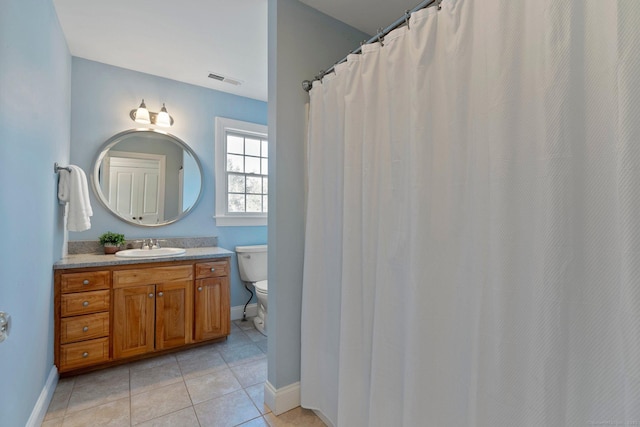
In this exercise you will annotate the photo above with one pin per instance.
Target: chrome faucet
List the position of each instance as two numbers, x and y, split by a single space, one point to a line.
150 244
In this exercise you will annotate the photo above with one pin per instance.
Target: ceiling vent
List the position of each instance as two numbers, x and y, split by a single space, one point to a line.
222 78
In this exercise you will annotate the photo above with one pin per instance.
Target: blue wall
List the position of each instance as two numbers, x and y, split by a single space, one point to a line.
101 98
35 73
301 42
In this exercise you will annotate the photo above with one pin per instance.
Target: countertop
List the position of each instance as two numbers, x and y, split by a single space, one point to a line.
99 260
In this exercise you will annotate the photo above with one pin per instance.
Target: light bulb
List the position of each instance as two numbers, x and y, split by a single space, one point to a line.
142 114
163 119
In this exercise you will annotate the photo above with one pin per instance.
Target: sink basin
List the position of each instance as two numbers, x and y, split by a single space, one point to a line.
150 253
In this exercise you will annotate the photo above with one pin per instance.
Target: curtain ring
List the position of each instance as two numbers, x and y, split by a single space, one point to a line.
381 36
407 15
439 4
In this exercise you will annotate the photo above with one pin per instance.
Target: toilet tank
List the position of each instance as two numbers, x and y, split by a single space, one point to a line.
252 262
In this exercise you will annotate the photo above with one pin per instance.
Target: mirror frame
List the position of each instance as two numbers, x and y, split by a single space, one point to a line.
119 137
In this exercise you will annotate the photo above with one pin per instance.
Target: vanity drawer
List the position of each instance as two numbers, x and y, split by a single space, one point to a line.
89 281
147 276
84 327
84 353
84 303
212 269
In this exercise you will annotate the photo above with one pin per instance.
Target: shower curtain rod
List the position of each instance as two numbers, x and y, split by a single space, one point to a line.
379 37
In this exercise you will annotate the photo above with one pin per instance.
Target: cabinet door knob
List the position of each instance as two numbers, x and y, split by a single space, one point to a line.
85 329
85 354
160 294
213 269
151 295
199 288
85 304
85 282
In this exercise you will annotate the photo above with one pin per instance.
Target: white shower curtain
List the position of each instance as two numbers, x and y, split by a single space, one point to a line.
472 251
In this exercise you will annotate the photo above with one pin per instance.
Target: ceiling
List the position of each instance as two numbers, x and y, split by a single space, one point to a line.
187 40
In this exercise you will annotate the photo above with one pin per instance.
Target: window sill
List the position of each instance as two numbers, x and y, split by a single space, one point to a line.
240 221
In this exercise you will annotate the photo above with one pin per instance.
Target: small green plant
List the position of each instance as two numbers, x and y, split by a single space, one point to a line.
112 239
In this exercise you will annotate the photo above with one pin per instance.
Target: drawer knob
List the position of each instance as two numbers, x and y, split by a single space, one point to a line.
199 288
85 282
160 294
213 269
85 304
151 295
85 329
85 354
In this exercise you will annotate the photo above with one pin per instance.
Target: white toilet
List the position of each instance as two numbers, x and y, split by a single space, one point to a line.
252 262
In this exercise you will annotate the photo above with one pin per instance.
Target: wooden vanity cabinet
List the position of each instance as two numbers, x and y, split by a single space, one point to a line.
212 319
127 311
82 303
152 309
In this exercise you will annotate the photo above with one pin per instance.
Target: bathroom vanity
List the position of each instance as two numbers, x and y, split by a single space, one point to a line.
109 310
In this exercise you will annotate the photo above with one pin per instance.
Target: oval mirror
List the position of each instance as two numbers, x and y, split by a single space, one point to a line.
147 177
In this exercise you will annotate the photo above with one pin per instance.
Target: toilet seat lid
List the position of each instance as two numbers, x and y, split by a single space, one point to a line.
261 286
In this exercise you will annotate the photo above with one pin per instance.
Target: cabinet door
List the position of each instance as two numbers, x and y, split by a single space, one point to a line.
134 320
212 308
173 314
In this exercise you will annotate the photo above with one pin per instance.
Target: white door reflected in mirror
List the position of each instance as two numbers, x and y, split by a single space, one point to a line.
135 183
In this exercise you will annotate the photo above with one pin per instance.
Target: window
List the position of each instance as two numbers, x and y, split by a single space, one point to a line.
241 170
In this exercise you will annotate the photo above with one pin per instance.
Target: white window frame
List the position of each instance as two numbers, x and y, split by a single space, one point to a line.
222 217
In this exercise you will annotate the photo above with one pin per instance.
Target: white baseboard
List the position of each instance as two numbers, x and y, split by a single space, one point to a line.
236 311
40 409
283 399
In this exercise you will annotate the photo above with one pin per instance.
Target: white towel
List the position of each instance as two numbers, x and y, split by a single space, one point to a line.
73 191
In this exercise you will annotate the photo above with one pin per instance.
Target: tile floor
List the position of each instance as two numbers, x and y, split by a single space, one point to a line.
220 384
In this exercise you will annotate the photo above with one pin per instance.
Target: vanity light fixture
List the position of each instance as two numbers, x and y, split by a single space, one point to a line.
144 116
